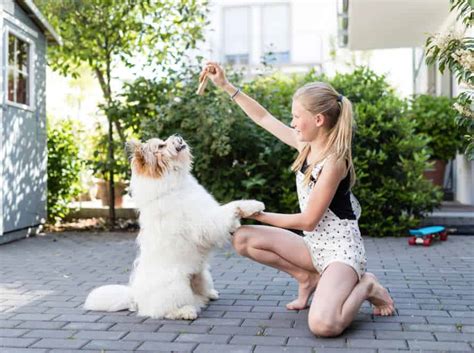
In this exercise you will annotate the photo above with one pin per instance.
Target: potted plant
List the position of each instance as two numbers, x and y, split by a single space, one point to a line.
100 167
436 118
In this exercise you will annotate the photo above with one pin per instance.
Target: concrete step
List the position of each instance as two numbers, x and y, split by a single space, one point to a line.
459 218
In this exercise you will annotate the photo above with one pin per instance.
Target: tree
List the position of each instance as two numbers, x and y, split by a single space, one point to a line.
106 33
454 50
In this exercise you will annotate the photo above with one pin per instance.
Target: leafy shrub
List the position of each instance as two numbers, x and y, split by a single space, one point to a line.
389 157
234 158
436 118
64 167
231 153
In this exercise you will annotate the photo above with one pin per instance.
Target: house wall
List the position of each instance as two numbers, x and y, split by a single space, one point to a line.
24 156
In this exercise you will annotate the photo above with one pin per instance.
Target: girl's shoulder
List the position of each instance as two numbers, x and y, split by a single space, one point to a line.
330 162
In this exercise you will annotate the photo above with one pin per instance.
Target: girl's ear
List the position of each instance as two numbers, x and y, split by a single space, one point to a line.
319 119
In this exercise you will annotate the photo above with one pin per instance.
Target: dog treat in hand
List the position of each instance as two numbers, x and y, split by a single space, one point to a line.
202 84
203 79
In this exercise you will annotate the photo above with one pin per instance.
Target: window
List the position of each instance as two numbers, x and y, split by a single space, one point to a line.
276 36
237 35
18 70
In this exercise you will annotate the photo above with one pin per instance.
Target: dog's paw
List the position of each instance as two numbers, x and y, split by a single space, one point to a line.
187 312
249 207
213 294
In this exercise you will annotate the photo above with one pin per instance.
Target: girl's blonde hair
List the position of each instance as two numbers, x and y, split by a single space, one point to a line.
322 98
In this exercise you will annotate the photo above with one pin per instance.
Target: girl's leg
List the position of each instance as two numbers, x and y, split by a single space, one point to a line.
339 296
283 250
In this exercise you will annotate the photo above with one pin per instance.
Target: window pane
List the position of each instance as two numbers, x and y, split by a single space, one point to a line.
11 49
22 58
236 30
275 27
22 89
11 86
239 59
277 57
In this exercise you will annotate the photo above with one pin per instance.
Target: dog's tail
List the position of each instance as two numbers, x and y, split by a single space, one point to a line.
112 297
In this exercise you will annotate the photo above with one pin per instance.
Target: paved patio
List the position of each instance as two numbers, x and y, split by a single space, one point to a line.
44 281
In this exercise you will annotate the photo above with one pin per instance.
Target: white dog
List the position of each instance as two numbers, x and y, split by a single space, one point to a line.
180 224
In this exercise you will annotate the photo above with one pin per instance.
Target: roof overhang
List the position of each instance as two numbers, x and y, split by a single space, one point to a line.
380 24
37 17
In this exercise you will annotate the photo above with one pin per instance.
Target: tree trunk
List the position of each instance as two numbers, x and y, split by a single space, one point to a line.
105 85
111 164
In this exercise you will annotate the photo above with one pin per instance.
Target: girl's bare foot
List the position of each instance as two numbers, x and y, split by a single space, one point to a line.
378 296
306 286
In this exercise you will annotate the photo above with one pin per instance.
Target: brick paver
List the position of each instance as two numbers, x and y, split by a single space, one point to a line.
45 280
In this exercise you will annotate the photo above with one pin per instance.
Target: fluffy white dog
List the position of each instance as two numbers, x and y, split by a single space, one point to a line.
180 223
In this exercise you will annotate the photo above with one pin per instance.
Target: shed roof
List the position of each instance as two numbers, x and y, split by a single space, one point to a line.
37 17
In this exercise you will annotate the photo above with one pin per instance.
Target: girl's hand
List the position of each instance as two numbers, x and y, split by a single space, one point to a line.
257 216
215 73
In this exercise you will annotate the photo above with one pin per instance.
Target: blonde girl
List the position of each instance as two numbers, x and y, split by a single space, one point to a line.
330 259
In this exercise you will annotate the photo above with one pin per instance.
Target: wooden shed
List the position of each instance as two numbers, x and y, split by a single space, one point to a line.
25 34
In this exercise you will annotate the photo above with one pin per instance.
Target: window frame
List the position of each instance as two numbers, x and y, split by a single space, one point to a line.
31 70
259 40
263 53
248 7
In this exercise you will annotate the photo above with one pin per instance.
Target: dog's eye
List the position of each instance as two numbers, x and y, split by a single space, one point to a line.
161 145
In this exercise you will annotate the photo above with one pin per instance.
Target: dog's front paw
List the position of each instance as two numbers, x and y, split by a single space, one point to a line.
249 207
187 312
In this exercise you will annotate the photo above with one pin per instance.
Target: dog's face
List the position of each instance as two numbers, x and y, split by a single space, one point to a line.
156 157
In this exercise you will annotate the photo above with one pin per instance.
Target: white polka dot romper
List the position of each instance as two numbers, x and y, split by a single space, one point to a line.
337 237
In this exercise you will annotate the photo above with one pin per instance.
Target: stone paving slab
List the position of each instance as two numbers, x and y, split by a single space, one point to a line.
45 280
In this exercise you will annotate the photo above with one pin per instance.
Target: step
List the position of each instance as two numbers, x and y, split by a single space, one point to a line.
459 218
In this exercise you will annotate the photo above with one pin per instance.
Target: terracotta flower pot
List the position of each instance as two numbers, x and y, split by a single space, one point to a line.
436 172
103 192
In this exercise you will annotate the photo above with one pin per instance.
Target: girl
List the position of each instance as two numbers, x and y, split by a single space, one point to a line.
330 259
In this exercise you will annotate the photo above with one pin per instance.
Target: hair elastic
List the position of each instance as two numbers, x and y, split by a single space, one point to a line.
339 99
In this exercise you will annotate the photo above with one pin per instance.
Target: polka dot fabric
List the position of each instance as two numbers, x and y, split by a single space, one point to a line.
333 239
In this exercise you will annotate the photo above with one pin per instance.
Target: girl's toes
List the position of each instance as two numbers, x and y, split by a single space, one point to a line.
296 305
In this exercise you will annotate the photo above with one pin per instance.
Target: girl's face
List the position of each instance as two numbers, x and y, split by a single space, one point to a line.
305 123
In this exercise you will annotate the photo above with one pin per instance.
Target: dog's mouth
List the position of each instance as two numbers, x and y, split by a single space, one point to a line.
180 147
179 143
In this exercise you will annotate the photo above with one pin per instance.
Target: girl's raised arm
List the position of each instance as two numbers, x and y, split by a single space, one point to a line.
251 107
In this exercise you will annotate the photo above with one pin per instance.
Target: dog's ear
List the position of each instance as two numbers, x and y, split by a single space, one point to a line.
132 148
136 155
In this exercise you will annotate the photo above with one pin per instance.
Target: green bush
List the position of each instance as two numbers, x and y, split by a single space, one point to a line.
389 157
436 118
64 167
234 158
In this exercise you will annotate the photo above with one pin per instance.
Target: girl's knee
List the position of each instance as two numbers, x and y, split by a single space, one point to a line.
240 240
325 326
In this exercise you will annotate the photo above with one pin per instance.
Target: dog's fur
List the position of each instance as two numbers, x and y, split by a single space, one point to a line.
180 224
